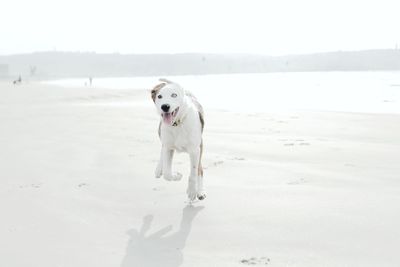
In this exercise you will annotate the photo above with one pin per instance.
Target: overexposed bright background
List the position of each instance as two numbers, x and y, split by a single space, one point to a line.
176 26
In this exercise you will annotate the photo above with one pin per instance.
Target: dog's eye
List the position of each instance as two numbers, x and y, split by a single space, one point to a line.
174 95
159 96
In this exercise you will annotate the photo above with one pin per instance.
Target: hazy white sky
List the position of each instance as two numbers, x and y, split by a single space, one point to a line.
271 27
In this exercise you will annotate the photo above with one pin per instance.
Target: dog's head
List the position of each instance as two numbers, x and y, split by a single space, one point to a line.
168 98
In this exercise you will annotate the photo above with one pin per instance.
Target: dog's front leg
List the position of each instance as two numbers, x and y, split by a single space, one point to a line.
167 155
159 169
194 169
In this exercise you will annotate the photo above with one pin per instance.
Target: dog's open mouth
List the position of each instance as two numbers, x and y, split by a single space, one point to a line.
169 117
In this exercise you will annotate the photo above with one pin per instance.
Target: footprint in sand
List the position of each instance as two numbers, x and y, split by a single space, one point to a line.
289 144
255 261
158 188
238 158
304 144
31 186
219 162
293 142
214 164
349 165
298 181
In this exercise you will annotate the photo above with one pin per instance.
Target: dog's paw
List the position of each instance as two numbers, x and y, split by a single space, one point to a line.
158 172
201 195
173 177
192 195
192 189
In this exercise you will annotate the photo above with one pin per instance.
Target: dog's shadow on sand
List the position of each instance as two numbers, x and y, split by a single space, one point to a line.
159 248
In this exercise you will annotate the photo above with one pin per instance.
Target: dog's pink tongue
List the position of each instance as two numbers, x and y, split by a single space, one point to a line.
167 117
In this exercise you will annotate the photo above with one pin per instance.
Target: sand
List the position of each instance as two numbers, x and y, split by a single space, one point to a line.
284 189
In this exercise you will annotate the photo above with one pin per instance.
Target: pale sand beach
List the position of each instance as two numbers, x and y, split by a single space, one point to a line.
283 189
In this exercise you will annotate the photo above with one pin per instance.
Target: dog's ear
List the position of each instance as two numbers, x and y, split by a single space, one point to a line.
165 80
155 90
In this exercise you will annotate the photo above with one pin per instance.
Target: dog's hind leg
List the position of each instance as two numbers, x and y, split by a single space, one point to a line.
194 174
201 194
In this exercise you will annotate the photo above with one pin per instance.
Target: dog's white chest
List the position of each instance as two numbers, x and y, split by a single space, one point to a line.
182 138
183 142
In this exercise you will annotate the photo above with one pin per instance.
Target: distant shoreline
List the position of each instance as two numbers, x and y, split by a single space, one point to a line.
56 78
56 65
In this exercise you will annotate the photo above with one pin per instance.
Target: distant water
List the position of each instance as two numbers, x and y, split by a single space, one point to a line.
370 92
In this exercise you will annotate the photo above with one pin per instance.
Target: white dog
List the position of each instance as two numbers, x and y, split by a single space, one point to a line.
180 129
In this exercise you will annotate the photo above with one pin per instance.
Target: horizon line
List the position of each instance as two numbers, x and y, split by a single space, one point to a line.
195 53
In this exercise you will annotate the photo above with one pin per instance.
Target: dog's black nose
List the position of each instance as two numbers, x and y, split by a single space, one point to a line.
165 107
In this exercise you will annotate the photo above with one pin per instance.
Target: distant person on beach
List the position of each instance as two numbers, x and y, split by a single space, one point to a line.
19 80
90 81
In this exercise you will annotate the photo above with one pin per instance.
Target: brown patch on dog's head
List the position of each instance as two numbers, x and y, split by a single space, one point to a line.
155 90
